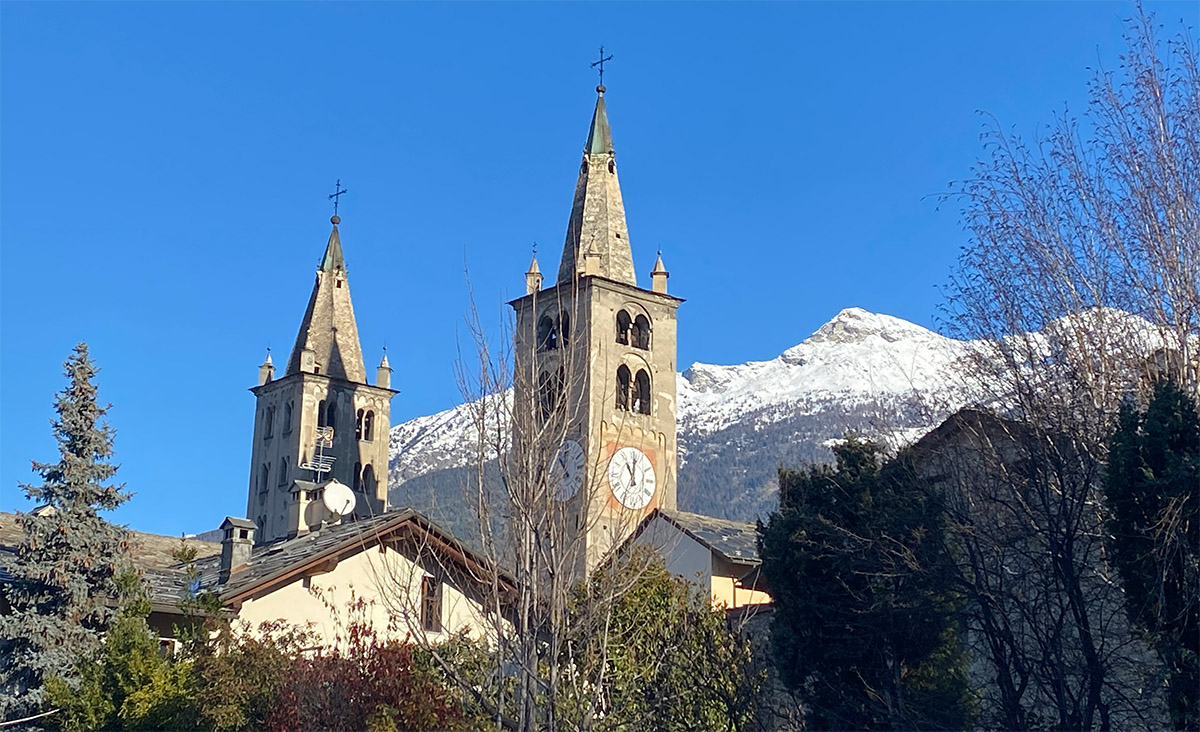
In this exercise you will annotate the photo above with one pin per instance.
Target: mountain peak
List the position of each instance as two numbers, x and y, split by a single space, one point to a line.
855 324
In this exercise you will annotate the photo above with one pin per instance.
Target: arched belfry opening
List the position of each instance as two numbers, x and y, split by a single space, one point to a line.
641 392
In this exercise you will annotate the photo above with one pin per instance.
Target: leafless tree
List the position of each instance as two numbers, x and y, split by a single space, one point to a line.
526 401
1081 285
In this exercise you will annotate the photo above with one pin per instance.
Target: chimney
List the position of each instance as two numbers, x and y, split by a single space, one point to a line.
236 544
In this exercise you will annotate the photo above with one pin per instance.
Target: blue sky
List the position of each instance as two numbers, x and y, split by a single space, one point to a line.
164 170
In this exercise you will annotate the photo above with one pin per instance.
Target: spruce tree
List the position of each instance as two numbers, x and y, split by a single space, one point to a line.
64 586
1153 490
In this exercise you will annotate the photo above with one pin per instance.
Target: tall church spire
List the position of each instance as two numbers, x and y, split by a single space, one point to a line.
328 339
597 226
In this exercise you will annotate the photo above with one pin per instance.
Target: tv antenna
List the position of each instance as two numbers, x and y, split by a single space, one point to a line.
321 463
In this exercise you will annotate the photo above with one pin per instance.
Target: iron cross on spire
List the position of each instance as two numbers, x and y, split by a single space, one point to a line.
600 64
338 192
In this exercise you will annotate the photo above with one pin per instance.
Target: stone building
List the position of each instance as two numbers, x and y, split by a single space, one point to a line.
595 360
321 420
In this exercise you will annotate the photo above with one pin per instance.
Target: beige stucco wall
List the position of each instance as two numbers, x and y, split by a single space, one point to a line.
390 584
688 558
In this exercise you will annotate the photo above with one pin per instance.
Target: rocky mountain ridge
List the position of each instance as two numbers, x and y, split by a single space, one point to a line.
874 374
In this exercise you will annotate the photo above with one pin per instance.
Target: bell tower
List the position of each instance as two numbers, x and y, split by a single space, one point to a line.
321 420
595 366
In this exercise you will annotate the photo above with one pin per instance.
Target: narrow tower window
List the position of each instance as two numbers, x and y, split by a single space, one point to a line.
368 480
358 425
288 413
547 338
623 324
268 422
641 398
357 477
369 426
283 471
641 333
321 413
264 475
564 329
623 388
547 394
330 414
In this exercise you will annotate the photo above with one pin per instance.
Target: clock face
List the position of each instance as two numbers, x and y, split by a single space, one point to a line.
566 470
631 476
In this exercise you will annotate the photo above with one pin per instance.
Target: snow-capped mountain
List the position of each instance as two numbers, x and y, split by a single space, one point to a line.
874 374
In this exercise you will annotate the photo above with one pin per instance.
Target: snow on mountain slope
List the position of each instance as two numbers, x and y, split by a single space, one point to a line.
857 357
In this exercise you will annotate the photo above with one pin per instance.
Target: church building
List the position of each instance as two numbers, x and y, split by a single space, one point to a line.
595 358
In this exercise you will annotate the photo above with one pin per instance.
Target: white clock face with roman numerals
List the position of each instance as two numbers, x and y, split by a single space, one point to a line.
566 470
631 476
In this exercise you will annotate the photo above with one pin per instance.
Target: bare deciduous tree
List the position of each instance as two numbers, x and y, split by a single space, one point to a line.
1081 284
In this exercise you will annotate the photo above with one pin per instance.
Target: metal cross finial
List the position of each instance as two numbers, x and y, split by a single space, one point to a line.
338 191
600 64
535 249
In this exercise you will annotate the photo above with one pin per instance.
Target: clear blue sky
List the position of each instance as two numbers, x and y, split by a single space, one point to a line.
165 166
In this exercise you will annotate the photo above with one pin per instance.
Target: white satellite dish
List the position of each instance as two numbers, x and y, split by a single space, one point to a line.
338 498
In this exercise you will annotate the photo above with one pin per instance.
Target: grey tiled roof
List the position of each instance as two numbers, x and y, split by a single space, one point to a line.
736 541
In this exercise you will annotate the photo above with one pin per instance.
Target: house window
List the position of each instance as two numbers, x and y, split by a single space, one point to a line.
431 604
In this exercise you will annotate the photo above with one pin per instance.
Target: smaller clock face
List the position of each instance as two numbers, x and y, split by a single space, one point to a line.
566 470
631 475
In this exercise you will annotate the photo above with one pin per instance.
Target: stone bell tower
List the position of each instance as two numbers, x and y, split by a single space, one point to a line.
322 412
597 353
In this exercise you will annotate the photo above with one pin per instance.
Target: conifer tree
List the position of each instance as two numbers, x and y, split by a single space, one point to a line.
865 627
61 598
1153 489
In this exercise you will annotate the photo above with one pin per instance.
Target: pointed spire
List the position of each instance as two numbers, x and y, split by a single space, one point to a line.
266 370
533 278
327 342
597 240
383 374
600 135
659 275
333 250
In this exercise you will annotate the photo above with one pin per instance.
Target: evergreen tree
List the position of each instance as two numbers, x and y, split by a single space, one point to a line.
865 626
62 596
1153 489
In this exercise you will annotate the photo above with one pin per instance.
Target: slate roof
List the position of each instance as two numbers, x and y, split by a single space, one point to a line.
279 560
148 550
736 541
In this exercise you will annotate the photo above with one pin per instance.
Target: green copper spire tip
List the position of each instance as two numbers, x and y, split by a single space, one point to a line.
599 136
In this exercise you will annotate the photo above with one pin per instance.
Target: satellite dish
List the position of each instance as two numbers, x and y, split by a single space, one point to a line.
338 498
